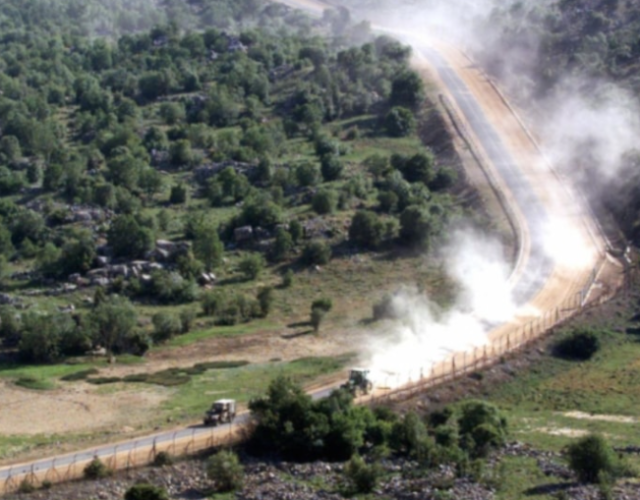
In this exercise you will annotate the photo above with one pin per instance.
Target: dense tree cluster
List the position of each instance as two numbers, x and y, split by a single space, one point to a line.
291 424
138 148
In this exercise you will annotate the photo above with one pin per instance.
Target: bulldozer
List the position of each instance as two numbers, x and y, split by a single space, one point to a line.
358 383
221 411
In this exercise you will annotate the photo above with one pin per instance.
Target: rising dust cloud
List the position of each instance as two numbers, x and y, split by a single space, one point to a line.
574 124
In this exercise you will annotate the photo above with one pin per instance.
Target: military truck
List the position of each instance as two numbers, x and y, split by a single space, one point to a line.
221 412
359 382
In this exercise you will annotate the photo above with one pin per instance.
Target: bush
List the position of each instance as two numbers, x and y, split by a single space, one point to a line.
265 299
361 477
186 320
212 303
399 122
366 229
592 459
178 194
251 265
144 491
481 427
96 469
316 253
165 326
325 304
324 202
307 174
226 470
331 167
579 345
317 315
287 279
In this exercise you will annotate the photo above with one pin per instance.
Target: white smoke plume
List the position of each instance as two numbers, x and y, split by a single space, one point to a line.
424 334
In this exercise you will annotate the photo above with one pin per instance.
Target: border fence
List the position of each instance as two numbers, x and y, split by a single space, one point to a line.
192 441
466 362
195 440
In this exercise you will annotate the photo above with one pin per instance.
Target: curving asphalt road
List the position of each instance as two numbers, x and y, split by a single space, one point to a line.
536 271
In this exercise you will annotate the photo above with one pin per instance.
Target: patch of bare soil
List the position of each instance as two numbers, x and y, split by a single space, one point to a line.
256 348
620 419
80 409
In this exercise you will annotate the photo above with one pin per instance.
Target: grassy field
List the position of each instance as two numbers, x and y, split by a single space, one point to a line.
555 401
243 384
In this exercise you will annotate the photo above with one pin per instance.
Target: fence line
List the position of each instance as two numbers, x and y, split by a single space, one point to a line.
418 380
469 361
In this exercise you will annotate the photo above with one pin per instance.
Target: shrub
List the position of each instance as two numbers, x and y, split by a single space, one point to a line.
324 201
316 253
178 194
226 470
579 345
307 174
325 304
317 315
186 320
287 279
144 491
165 326
251 265
282 246
592 459
399 122
366 229
481 427
96 469
361 477
331 167
265 299
212 303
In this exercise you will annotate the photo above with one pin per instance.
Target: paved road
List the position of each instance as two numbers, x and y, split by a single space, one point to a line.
539 265
537 269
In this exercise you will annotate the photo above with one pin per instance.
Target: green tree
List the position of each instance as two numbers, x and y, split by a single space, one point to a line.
165 326
179 194
225 469
127 238
266 299
417 226
282 246
366 229
331 167
307 174
251 265
181 154
207 246
399 122
77 254
325 201
113 321
407 90
482 425
361 477
592 459
316 252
